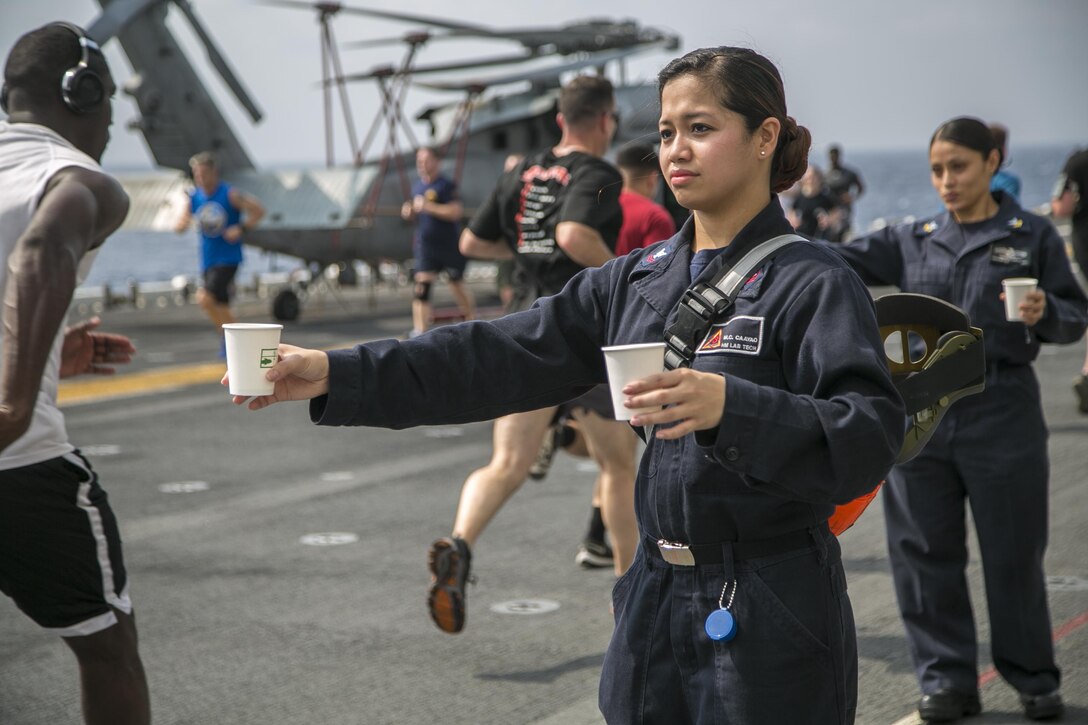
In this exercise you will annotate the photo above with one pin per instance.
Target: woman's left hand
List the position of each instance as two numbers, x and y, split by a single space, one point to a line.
694 399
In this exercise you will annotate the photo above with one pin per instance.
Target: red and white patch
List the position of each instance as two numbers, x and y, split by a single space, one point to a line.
740 335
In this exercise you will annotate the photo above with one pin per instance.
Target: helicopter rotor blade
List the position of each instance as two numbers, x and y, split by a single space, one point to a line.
552 71
387 71
115 17
335 7
219 62
379 42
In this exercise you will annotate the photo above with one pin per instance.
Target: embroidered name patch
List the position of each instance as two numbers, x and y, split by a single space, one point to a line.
1010 255
740 335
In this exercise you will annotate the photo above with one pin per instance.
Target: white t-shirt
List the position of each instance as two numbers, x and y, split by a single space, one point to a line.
30 155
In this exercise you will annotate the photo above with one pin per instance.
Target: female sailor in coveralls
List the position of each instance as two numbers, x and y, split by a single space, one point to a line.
990 451
788 409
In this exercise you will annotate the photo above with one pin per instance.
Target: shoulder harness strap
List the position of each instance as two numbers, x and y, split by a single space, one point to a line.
706 302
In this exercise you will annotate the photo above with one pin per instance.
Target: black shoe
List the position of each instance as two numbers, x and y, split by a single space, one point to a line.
594 555
449 560
1080 387
1042 707
948 706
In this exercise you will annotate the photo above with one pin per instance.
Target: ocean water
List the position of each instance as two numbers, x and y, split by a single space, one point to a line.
896 186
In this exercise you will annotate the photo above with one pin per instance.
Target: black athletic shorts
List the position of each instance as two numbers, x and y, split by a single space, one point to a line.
434 258
219 282
598 399
60 550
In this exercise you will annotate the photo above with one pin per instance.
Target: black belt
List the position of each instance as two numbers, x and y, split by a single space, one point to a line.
697 554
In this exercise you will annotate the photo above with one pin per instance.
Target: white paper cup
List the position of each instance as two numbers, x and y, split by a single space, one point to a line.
1015 290
627 363
251 351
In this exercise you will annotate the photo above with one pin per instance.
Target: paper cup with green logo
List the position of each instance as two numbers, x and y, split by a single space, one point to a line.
628 363
251 351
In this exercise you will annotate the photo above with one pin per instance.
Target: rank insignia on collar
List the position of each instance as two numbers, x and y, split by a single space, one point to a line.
929 227
659 254
1016 222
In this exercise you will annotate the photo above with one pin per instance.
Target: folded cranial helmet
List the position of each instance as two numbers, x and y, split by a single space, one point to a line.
935 357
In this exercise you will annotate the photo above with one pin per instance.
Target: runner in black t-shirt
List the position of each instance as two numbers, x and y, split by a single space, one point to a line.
533 200
555 214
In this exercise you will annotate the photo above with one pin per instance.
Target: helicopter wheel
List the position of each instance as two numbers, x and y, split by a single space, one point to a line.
286 306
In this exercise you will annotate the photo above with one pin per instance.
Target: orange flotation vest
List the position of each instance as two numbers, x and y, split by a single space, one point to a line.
844 515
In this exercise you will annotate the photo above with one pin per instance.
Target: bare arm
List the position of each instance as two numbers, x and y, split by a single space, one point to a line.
79 209
184 220
252 213
475 247
451 211
582 244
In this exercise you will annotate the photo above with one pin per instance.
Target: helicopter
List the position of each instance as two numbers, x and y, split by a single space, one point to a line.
331 216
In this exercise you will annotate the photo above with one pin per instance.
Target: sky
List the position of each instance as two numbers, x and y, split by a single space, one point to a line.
867 74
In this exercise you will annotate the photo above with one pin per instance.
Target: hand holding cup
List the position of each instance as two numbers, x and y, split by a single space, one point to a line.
1023 300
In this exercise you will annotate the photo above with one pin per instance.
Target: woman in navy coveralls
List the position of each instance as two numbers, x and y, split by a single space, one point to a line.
788 409
990 451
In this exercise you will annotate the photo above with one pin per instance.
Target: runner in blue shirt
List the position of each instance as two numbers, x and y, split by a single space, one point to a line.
218 209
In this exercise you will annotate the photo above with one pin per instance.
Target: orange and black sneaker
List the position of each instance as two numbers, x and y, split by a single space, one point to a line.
449 560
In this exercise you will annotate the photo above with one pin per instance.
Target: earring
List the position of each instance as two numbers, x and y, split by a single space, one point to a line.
763 152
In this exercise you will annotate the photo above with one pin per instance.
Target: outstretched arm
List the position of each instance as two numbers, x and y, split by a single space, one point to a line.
78 210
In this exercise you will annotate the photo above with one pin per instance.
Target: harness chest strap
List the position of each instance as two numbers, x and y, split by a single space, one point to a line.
705 302
702 305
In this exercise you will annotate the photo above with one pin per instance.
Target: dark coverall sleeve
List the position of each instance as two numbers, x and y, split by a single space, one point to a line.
835 430
876 257
475 370
1065 316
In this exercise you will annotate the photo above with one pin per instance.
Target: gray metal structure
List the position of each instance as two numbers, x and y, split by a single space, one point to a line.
335 215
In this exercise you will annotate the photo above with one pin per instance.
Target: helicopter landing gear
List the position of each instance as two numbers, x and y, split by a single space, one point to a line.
286 305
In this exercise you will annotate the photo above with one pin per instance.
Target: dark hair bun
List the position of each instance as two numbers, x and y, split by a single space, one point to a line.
791 156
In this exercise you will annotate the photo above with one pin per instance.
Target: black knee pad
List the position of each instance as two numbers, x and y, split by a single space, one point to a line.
423 291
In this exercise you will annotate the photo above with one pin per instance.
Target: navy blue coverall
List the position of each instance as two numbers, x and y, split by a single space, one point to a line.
811 419
990 449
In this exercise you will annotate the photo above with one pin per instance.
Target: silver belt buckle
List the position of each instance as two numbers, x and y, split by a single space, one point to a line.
679 554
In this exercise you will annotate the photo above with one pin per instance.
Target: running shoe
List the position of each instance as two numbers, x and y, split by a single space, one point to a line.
594 555
449 560
1080 387
545 455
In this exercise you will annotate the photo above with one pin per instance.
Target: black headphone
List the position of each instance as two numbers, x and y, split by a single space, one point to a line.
81 89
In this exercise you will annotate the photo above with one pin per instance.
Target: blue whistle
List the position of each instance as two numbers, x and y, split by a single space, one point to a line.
721 625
